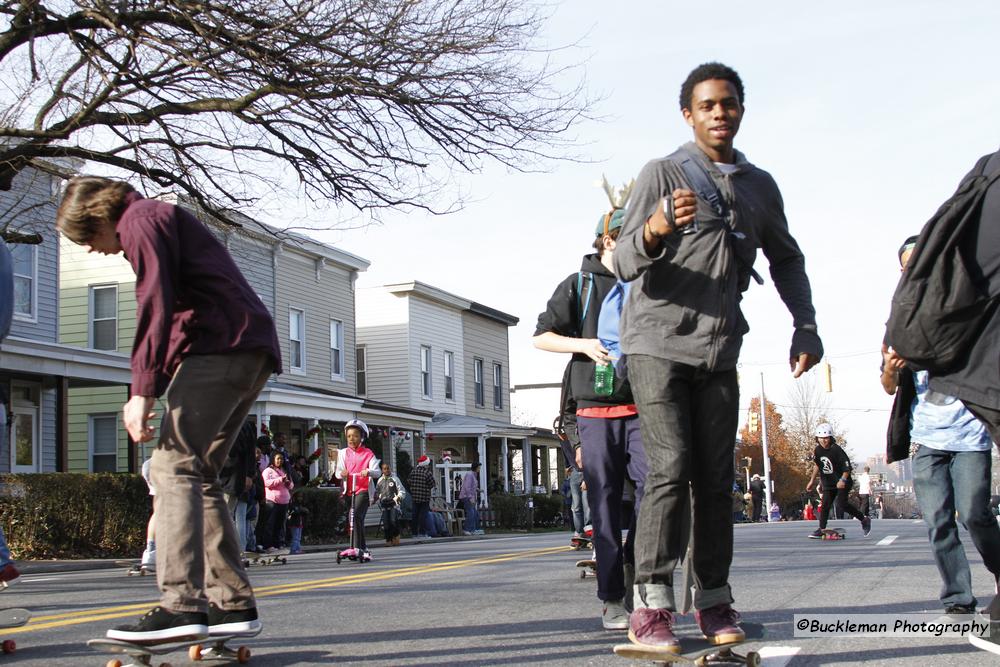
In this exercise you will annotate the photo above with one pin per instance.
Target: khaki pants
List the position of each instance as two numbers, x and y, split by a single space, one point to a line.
197 555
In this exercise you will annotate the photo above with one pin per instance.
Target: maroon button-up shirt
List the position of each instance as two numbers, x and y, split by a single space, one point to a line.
190 297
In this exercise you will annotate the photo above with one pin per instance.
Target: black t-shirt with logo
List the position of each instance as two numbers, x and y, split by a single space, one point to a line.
833 463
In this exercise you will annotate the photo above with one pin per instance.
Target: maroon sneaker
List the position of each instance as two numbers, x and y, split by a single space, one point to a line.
720 624
8 575
653 628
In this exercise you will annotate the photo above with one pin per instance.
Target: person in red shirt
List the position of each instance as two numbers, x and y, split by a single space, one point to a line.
206 343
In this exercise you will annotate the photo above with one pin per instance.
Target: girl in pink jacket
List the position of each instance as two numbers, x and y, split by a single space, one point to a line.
278 493
357 469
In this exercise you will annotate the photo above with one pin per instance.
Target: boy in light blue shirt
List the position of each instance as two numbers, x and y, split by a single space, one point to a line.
951 472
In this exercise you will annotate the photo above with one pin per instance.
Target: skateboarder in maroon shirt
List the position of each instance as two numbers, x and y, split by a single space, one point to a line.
205 342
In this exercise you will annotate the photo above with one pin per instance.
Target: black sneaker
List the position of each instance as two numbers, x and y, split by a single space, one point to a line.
816 535
235 622
866 526
160 626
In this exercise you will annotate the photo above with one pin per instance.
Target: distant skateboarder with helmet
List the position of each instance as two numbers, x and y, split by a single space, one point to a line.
833 466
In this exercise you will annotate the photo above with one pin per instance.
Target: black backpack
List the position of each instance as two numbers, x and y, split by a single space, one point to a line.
939 308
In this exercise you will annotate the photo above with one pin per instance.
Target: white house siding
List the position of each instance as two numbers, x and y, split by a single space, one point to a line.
486 339
440 328
30 207
383 328
323 296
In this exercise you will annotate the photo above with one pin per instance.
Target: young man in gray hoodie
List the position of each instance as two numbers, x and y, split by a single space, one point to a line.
681 328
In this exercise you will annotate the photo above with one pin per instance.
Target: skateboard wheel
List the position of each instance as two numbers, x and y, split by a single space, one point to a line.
113 663
753 659
9 646
243 655
701 662
194 652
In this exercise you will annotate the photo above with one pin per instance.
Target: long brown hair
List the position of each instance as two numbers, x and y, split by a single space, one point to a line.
90 201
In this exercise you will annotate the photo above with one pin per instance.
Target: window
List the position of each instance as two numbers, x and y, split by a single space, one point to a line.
425 371
25 271
449 376
296 333
361 359
497 387
477 369
336 349
104 443
104 317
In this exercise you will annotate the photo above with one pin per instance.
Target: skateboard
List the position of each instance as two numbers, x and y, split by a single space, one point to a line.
580 543
135 567
832 534
588 568
699 651
207 648
12 618
276 558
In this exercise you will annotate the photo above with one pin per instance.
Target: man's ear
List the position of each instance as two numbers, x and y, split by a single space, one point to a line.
687 117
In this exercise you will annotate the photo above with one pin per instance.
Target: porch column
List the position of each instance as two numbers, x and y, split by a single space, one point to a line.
265 420
526 465
313 446
504 467
483 465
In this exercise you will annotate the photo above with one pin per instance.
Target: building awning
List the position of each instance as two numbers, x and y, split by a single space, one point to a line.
446 424
83 367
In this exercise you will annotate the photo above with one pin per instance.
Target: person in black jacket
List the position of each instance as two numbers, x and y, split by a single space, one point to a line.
237 476
608 424
833 466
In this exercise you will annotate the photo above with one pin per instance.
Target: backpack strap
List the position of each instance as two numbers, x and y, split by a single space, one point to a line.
584 285
698 178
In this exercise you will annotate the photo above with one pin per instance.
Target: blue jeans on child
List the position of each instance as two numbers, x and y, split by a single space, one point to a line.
296 545
5 558
946 482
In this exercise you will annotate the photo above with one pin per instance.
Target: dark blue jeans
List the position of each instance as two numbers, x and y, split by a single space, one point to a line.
689 420
612 449
581 506
946 482
420 510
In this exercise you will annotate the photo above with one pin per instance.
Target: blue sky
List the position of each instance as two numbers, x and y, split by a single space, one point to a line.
867 114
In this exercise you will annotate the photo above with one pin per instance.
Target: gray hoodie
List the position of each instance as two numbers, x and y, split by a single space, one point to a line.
685 303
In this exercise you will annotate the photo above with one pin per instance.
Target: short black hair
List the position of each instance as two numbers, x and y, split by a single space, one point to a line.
707 72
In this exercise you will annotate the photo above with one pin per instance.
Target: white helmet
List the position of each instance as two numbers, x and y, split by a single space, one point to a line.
824 431
357 423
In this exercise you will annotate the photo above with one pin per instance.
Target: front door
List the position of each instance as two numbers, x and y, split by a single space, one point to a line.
24 449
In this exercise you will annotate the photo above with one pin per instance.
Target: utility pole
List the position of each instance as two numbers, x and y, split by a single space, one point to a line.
767 459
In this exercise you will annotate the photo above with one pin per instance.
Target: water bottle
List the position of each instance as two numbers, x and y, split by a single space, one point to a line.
604 379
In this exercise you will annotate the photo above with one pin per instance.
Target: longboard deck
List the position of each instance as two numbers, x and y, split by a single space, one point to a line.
14 618
211 647
691 648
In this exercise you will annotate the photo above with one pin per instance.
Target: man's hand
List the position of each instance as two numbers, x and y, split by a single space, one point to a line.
892 360
579 458
593 348
841 484
685 210
802 363
136 415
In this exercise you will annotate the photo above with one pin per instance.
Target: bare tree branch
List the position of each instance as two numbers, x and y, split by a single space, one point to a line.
364 103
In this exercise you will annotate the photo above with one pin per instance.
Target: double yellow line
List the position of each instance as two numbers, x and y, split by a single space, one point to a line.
121 611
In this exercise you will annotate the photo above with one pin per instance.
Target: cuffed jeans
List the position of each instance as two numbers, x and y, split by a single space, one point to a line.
612 448
471 515
581 505
198 557
689 420
946 482
238 510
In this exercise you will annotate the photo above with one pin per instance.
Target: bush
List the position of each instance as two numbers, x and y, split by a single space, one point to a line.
510 511
69 515
324 522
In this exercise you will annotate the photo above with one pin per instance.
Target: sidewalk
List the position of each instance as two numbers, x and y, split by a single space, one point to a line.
56 566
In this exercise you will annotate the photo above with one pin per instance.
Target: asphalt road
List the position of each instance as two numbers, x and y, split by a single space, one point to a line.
518 600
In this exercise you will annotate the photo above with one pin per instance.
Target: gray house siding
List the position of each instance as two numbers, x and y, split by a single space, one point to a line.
439 328
386 347
29 207
486 339
255 259
323 292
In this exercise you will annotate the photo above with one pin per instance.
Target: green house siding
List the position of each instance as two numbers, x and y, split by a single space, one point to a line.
74 315
94 401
